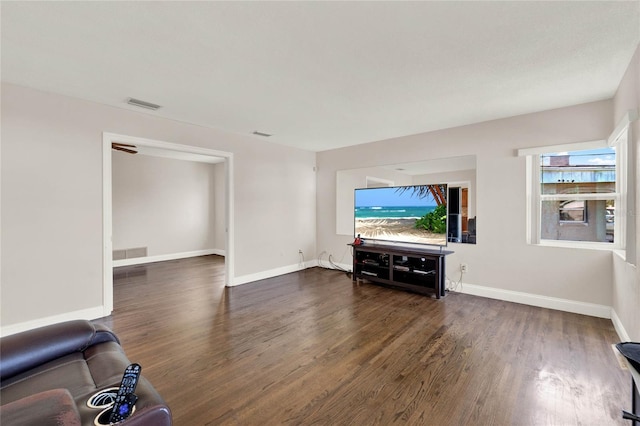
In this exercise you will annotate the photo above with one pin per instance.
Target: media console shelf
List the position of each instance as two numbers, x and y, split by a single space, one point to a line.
418 270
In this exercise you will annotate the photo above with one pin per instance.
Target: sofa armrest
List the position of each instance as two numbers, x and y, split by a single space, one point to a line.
51 408
24 351
158 415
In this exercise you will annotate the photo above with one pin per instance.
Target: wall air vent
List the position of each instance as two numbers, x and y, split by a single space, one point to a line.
257 133
129 253
142 104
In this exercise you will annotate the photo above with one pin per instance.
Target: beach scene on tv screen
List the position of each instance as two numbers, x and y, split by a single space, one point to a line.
408 214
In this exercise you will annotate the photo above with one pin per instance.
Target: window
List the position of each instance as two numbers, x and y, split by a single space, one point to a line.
576 188
573 211
574 194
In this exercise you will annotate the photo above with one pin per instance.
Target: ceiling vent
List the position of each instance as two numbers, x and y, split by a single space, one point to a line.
257 133
142 104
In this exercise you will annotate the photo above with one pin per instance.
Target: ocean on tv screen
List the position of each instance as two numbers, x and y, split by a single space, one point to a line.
390 214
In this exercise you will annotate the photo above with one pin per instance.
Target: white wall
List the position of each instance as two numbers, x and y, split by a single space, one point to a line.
218 207
52 201
626 290
502 262
166 205
52 209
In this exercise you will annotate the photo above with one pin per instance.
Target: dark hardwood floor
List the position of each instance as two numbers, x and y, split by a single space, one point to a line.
313 348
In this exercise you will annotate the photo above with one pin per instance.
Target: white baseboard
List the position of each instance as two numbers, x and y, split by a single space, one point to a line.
617 324
244 279
346 266
88 314
325 264
286 270
591 309
163 257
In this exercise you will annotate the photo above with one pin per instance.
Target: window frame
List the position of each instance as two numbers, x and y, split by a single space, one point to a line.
535 197
583 209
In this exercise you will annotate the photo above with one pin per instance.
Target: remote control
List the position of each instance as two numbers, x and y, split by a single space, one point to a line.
125 399
123 409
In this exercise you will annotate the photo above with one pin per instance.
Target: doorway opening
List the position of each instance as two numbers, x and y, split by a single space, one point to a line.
167 150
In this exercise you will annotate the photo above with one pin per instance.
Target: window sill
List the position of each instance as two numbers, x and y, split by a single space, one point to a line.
622 254
585 245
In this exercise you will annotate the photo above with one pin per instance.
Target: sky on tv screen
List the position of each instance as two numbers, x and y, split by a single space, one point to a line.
384 197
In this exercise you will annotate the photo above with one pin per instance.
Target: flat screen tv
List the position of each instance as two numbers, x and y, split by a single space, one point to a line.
414 214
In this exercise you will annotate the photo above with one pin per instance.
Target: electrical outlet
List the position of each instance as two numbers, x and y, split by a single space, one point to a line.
463 268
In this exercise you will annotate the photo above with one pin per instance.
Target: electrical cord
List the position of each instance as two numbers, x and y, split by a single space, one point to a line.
337 266
332 266
320 260
453 285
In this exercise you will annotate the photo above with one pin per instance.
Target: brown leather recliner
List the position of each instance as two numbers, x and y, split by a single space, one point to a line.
48 374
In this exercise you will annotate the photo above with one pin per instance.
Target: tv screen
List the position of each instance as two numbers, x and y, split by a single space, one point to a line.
406 214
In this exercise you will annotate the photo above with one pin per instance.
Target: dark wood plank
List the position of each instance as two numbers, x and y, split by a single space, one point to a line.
314 348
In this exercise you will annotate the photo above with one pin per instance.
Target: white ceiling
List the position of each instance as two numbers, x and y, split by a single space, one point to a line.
323 75
439 165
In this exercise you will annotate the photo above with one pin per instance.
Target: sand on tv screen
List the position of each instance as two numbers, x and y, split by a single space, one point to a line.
414 214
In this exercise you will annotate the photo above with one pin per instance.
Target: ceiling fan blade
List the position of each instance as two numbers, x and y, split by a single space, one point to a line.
119 148
126 145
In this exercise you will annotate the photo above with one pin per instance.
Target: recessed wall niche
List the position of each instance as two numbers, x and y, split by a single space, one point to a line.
457 172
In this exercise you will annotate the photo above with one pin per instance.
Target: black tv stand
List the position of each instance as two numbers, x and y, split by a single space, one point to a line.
420 270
